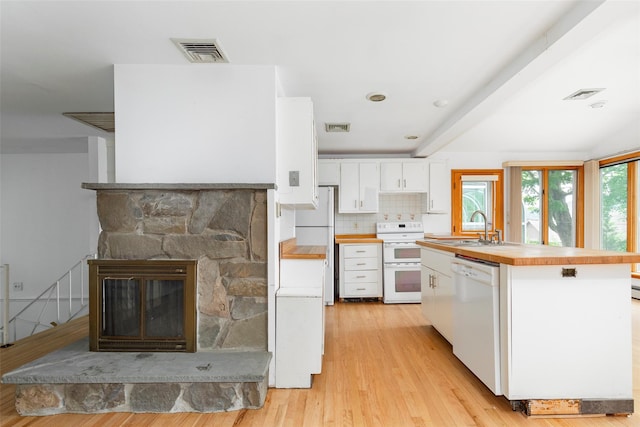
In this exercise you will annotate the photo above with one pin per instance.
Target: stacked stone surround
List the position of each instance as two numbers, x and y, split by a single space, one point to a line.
224 227
225 230
50 399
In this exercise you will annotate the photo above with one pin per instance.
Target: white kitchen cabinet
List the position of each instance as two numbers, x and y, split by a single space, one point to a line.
361 270
439 188
328 172
404 176
359 187
437 290
566 332
300 322
297 153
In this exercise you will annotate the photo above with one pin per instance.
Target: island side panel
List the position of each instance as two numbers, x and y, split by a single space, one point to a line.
566 337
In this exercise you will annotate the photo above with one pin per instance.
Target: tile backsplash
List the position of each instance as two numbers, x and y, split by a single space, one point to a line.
393 207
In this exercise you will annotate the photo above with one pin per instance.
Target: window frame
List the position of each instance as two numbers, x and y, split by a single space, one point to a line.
456 201
633 163
579 197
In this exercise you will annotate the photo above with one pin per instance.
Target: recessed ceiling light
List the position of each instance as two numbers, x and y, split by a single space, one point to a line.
583 94
411 137
440 103
598 104
376 96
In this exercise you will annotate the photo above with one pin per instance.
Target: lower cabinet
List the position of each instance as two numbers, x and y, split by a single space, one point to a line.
299 322
437 290
361 270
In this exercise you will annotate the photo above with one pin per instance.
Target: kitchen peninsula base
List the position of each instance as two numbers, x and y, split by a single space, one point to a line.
576 407
565 326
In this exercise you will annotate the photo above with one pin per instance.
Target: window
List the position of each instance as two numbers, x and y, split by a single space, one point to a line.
619 184
474 190
550 210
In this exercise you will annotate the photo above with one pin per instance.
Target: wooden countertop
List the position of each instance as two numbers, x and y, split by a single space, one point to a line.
289 249
357 238
523 255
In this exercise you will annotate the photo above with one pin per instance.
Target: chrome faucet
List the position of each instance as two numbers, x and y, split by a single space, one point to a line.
484 216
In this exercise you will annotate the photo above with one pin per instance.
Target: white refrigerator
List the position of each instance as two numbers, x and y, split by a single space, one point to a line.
316 227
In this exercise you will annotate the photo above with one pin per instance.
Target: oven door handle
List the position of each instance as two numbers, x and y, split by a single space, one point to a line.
402 265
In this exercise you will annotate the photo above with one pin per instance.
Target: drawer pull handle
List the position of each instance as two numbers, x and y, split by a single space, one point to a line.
360 277
361 263
361 289
361 252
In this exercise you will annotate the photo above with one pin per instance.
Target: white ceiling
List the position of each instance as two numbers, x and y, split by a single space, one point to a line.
503 67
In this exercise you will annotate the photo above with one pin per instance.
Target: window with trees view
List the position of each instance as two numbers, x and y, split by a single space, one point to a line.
550 214
619 203
474 190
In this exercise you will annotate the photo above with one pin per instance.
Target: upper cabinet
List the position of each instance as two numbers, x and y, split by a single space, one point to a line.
439 188
297 153
359 187
404 176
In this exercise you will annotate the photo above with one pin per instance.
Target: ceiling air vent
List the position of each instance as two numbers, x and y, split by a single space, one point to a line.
201 51
583 94
337 127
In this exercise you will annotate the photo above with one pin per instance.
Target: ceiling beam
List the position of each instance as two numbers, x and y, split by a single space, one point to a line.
579 25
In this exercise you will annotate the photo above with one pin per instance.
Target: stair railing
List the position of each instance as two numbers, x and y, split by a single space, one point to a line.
50 295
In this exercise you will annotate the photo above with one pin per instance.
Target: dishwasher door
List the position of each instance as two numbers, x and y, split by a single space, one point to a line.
476 320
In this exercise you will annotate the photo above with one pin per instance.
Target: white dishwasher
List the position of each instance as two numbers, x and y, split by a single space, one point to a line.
476 318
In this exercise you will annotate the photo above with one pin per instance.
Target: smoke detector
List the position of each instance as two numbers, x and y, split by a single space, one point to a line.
201 51
337 127
583 94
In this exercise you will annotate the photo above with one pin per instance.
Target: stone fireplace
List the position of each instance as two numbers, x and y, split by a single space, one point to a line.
221 232
223 228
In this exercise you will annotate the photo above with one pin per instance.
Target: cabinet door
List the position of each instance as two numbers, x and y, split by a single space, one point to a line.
443 305
426 278
369 187
349 191
390 176
414 177
439 187
297 153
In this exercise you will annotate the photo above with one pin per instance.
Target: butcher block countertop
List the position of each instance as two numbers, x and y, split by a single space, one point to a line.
357 238
289 249
526 255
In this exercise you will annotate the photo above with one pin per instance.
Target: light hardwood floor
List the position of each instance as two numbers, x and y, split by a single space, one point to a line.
383 366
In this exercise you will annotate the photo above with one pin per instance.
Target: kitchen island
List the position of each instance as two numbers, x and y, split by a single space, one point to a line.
564 324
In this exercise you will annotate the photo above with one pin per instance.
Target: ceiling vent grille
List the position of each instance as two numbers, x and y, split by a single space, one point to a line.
583 94
337 127
201 51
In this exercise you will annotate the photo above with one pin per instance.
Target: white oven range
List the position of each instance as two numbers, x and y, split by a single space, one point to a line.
401 261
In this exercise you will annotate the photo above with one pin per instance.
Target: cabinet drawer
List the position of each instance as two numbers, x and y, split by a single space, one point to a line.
439 261
360 251
361 276
361 289
361 264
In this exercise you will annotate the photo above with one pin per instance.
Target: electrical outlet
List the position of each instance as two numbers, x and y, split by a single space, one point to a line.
294 178
18 286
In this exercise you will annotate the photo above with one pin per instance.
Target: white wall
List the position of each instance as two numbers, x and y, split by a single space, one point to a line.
196 123
45 217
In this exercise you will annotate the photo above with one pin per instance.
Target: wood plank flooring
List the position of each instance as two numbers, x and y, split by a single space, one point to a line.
383 366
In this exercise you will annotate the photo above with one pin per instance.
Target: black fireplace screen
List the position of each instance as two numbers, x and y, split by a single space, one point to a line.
130 312
148 307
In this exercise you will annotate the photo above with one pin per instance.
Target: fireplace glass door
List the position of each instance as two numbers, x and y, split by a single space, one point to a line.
142 307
